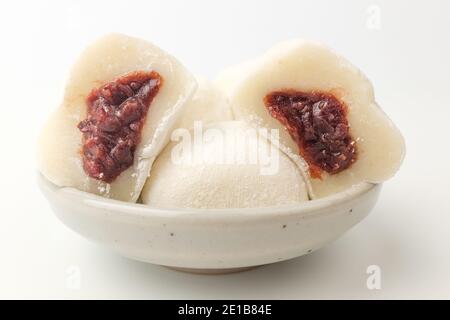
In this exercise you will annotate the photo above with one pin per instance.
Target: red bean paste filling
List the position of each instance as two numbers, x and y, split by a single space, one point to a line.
317 121
116 113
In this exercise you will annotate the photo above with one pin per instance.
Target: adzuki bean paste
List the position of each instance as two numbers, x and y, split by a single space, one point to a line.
116 113
317 121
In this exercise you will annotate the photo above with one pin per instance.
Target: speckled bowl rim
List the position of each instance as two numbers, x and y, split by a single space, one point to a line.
310 208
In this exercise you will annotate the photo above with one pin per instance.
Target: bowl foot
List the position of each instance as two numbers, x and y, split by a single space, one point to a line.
212 271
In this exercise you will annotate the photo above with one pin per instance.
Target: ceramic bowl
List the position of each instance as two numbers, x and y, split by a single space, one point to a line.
210 241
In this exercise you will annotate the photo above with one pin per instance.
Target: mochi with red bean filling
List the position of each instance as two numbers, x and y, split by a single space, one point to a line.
122 99
325 110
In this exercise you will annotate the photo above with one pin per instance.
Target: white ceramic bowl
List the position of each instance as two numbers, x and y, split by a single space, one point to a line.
219 240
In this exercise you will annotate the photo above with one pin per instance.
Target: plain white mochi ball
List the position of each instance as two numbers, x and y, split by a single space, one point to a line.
228 165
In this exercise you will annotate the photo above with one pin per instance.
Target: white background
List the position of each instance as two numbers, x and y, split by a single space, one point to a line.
407 58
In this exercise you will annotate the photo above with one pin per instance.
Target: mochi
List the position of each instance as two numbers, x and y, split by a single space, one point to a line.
232 166
209 104
122 99
325 110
